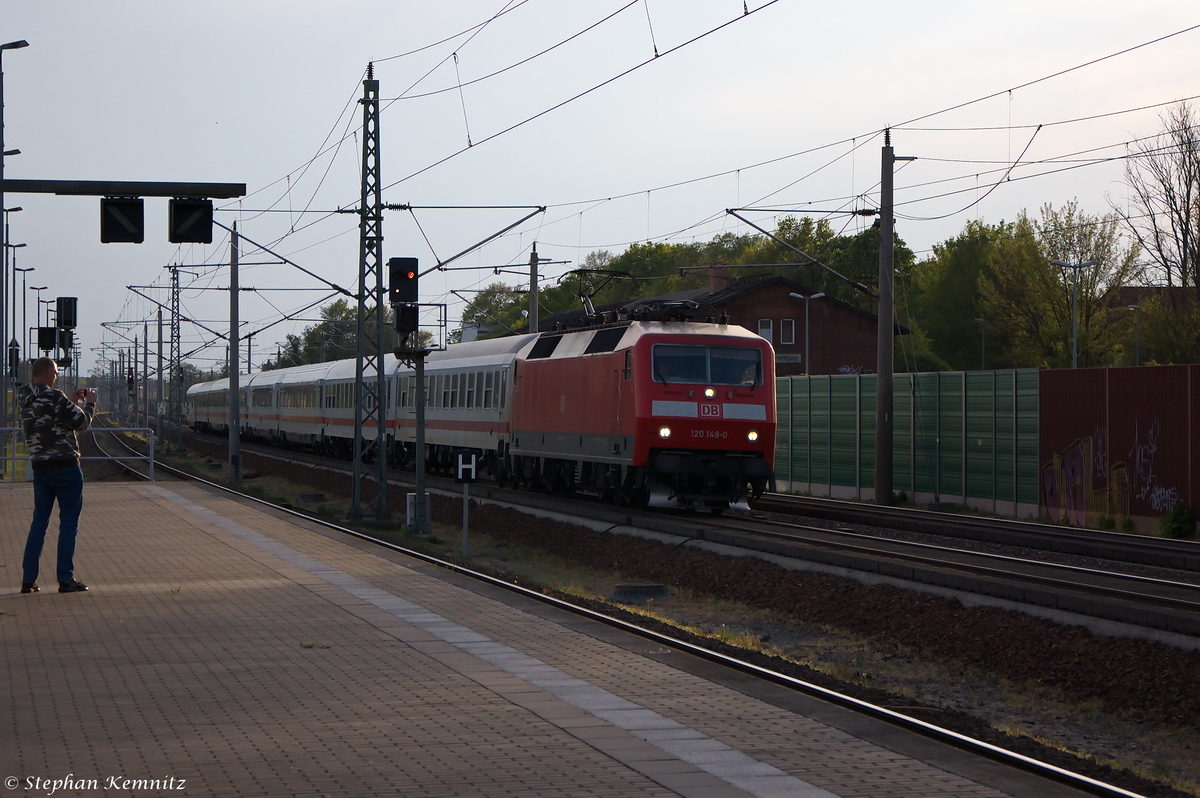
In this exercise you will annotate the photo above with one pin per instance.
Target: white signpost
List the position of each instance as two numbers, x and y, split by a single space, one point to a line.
465 472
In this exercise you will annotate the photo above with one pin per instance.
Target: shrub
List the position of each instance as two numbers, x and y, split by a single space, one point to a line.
1106 522
1179 523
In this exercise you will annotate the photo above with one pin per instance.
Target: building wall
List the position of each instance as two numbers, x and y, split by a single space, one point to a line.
841 339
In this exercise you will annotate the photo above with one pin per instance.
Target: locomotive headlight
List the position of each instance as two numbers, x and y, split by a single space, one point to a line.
752 436
664 432
709 393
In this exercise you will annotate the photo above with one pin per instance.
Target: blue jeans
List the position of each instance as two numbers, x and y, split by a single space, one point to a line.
65 485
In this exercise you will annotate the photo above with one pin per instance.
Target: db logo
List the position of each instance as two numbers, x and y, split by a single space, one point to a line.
710 411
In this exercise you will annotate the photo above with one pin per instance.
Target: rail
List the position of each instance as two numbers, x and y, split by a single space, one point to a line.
148 457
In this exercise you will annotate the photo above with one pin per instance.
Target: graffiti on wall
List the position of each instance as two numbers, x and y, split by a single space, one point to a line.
1079 484
1145 483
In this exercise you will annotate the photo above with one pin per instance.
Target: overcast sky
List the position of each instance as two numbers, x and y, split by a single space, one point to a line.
780 108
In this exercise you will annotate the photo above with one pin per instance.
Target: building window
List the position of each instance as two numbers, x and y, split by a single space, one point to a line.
787 331
764 328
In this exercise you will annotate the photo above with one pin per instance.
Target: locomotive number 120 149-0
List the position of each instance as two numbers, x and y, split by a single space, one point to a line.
709 433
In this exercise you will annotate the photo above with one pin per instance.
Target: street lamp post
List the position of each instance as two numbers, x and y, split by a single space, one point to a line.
11 323
1137 333
17 45
9 379
1074 305
807 367
15 269
982 346
24 318
37 313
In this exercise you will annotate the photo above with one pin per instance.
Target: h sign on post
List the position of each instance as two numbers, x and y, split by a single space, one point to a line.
464 469
464 472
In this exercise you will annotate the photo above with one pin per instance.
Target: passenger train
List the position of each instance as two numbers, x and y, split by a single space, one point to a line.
620 410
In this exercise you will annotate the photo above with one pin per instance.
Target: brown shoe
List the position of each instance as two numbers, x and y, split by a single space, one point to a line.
29 587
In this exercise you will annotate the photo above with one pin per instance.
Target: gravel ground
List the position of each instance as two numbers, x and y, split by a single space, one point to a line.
1053 692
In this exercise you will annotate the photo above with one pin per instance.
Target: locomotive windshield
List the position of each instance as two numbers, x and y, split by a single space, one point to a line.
712 365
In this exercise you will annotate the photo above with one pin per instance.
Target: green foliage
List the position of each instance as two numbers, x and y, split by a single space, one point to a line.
997 281
335 337
944 297
655 269
1170 328
1179 523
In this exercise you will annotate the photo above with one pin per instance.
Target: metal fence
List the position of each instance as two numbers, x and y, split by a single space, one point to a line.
958 438
17 435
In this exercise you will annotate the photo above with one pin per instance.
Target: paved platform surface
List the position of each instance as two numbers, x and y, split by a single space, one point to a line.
230 650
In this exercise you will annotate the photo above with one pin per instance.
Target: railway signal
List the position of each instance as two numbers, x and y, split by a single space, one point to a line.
402 279
65 316
190 221
122 220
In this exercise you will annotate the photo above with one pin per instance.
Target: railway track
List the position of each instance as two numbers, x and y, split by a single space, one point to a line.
962 741
1118 547
1110 600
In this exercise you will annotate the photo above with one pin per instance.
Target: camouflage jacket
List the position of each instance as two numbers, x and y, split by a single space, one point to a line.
51 420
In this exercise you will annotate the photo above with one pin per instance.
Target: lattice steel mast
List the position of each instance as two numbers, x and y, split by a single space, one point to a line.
175 383
370 384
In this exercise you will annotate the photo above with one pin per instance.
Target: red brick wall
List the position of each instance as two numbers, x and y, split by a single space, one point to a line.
841 339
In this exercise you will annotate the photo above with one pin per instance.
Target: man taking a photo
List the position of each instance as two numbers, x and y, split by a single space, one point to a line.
51 420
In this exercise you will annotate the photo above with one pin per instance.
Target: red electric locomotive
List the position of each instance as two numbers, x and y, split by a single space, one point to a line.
682 408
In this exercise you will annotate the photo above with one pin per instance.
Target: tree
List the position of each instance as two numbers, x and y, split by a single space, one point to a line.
335 337
1071 236
1002 274
656 269
945 297
497 303
1163 175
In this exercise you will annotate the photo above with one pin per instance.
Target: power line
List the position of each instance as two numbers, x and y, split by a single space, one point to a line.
510 67
580 95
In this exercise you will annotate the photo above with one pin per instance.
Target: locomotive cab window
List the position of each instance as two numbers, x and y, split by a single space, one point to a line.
715 365
735 366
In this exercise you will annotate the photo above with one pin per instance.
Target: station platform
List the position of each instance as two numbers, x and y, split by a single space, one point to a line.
226 649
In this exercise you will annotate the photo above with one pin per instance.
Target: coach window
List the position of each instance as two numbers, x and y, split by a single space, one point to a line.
787 331
503 388
479 390
470 390
488 387
454 390
764 328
